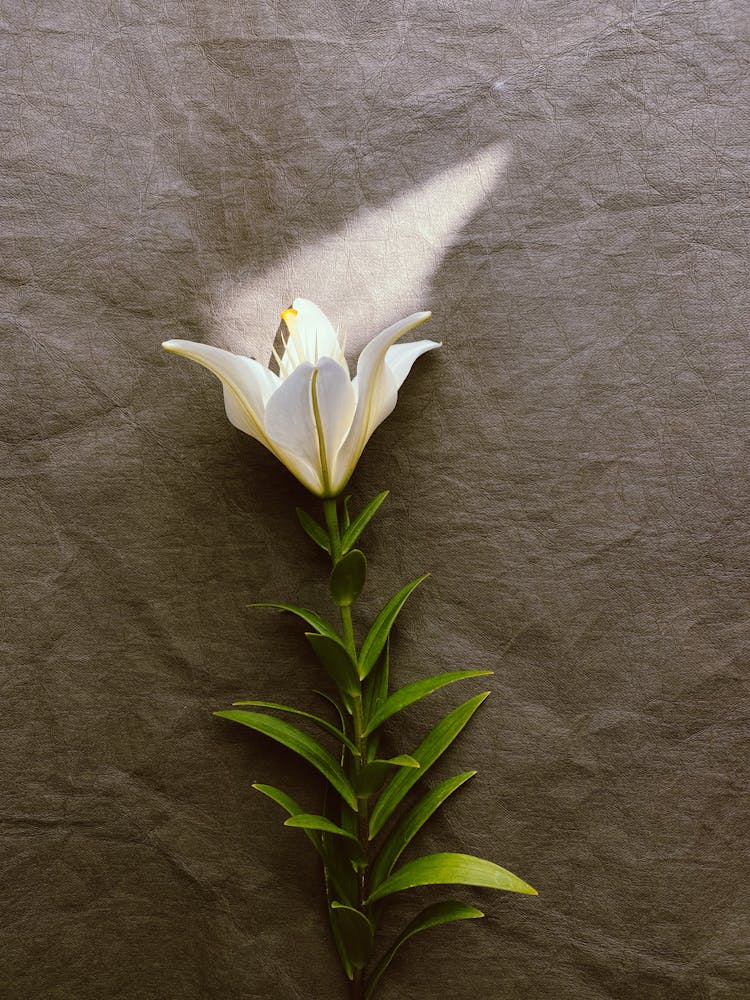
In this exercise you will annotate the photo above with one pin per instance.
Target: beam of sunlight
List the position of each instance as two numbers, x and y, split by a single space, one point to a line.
372 271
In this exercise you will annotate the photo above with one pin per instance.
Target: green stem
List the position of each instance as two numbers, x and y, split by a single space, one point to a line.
349 640
332 523
330 510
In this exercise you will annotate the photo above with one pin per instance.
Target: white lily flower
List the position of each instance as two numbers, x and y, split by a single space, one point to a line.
313 416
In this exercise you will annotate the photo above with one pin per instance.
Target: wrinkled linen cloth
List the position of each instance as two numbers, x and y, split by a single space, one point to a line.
565 186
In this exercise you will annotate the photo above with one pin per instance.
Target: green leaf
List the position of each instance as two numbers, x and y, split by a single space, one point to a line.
428 751
376 688
302 744
348 578
305 715
450 869
403 760
360 522
336 659
339 940
407 829
357 932
374 693
339 869
337 936
432 916
381 629
373 775
345 518
414 692
293 808
334 704
309 821
310 617
311 527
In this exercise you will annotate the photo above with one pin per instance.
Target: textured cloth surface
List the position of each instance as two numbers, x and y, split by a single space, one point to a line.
564 184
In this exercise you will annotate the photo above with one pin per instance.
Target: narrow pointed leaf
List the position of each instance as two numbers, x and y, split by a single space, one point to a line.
305 715
336 659
338 855
403 760
406 696
333 703
428 751
339 874
331 888
373 775
311 528
309 821
381 629
339 869
357 932
349 818
302 744
432 916
451 869
376 688
375 692
338 937
348 578
310 617
407 829
281 798
345 517
360 522
293 808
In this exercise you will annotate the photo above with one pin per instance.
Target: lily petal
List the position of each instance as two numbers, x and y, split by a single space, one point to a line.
248 385
290 424
401 357
377 388
311 337
334 405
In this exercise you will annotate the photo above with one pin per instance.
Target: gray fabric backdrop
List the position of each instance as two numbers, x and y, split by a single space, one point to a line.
563 184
